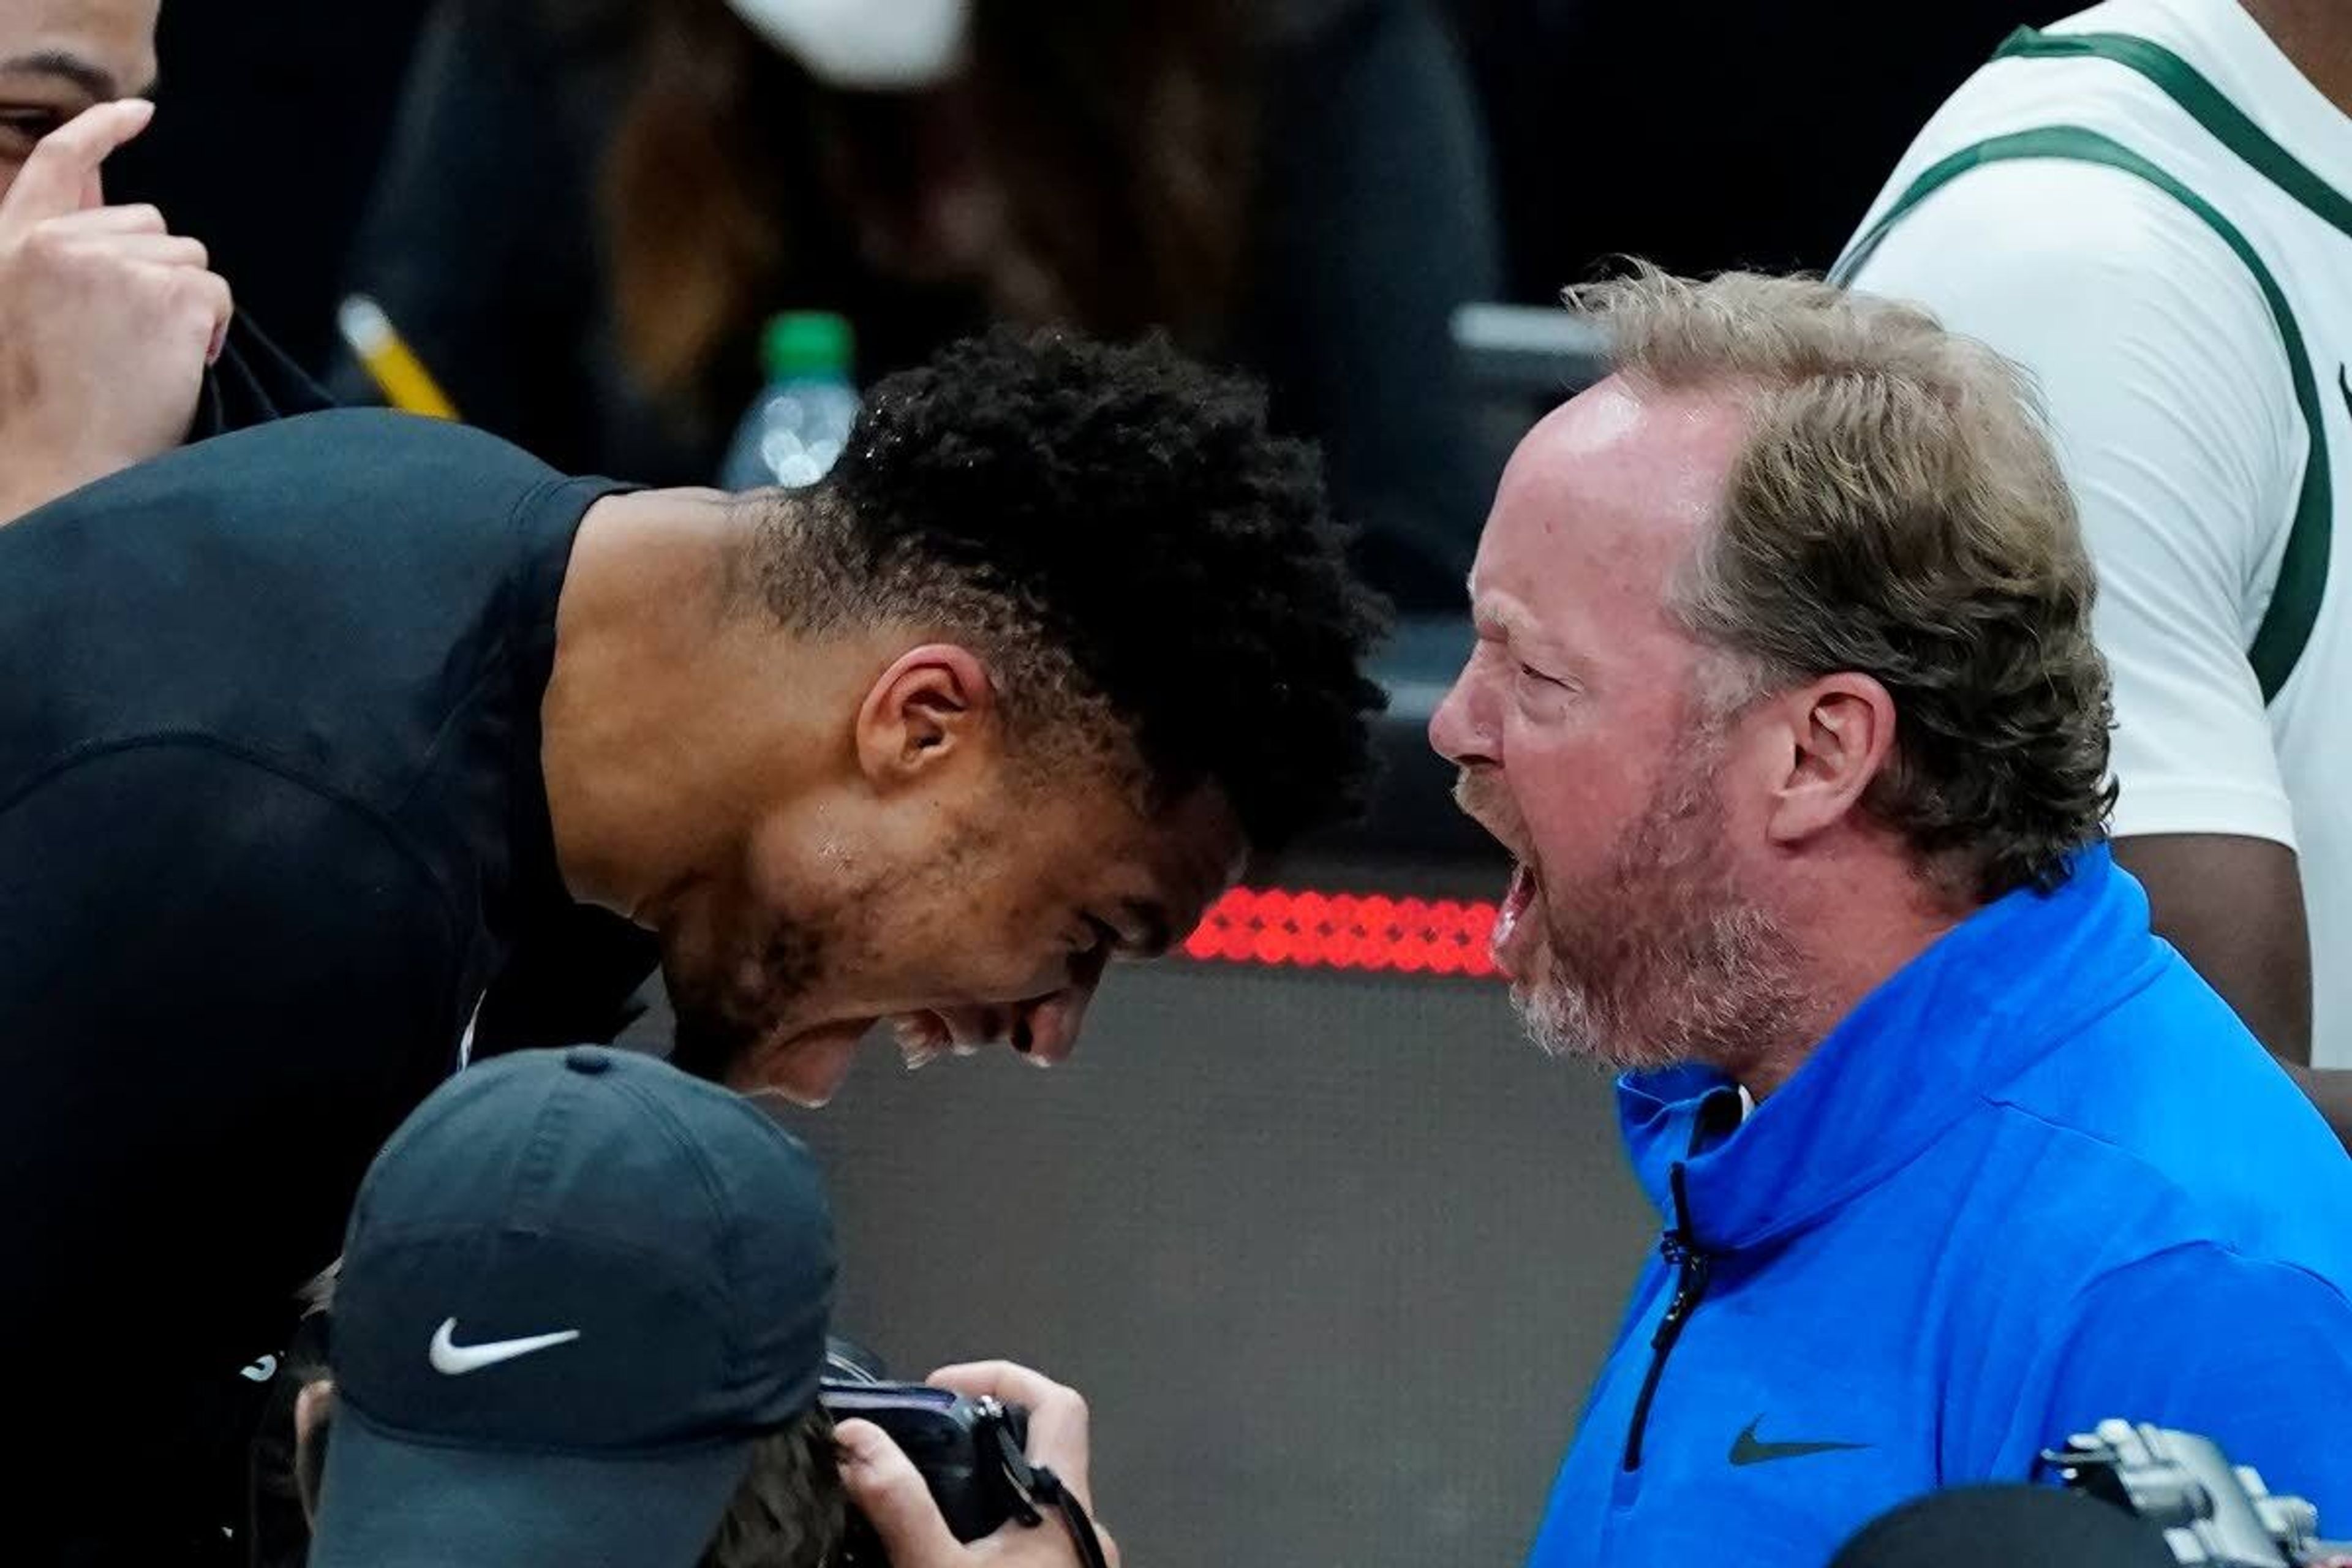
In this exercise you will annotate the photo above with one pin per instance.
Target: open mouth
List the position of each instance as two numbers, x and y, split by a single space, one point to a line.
929 1033
1521 898
922 1037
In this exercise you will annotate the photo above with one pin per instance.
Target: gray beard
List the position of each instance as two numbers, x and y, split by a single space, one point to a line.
1726 1011
1663 958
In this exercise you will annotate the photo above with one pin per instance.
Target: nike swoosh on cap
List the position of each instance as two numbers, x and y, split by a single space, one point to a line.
455 1360
1746 1450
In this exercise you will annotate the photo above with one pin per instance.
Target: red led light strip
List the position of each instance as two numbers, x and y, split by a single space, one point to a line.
1286 929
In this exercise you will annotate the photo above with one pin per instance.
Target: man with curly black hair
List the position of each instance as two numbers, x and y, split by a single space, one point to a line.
309 728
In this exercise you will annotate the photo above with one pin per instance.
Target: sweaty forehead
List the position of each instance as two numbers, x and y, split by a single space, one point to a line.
1605 499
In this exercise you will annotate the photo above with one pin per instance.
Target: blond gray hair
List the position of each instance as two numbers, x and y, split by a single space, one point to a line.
1898 511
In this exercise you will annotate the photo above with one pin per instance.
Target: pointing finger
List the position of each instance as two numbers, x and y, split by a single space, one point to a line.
63 168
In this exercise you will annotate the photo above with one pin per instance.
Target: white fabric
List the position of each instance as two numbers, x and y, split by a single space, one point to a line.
2168 391
878 44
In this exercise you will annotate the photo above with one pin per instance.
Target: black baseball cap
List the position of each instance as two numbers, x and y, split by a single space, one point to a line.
578 1285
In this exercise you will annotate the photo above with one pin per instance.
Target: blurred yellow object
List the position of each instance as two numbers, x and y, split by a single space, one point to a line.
406 385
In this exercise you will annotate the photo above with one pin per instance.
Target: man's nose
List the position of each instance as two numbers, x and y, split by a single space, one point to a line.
1454 732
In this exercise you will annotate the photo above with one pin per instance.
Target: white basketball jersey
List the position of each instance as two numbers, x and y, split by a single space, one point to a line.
2192 99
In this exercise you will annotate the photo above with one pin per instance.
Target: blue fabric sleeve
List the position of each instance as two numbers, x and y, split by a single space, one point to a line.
2254 1354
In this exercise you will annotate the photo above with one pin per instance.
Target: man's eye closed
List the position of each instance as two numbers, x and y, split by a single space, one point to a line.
29 125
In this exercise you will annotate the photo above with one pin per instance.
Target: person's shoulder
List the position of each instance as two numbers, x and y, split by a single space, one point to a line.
2110 289
350 565
316 492
2238 1285
362 436
2176 1127
2253 1353
2049 229
358 473
2051 147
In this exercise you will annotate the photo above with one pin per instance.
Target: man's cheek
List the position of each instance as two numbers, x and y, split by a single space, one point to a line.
1567 817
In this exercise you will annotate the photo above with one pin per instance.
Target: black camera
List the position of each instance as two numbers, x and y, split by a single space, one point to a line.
969 1450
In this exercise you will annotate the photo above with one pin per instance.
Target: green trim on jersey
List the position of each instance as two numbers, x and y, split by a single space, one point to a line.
2293 609
2181 82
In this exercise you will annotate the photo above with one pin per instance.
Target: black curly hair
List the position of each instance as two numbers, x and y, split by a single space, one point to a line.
1144 563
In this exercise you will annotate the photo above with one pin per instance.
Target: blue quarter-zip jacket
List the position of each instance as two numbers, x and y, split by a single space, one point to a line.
2040 1177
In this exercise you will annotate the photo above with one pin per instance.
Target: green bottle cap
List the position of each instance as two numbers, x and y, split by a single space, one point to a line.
806 344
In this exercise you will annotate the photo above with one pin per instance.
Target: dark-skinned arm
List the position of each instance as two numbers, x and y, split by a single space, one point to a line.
2234 907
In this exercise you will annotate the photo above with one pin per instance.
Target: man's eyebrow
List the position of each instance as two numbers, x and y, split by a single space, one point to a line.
92 79
1504 617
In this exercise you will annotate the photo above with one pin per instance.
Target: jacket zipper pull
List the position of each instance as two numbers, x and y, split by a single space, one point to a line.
1679 1247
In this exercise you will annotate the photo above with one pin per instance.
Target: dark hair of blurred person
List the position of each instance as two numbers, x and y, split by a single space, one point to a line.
591 209
1087 163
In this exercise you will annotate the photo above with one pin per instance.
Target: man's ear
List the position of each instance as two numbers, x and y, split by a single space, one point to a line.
1835 737
931 704
314 1408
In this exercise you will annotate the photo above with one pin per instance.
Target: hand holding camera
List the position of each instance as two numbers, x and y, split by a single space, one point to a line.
891 1491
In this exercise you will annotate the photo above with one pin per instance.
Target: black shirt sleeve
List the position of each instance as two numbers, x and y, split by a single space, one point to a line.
251 384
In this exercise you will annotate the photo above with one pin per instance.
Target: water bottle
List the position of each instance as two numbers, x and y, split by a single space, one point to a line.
801 418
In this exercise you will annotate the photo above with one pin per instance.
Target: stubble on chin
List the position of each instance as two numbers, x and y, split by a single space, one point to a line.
725 1013
1663 959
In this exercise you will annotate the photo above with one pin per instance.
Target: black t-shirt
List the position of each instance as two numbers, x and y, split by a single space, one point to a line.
271 819
252 382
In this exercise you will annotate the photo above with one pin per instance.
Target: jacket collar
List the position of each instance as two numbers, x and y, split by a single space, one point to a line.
1995 995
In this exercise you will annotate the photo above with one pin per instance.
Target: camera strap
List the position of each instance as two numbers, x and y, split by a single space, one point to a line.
1038 1488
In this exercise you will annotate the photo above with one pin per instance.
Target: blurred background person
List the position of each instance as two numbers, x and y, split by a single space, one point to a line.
275 114
108 319
592 209
2150 208
1738 135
